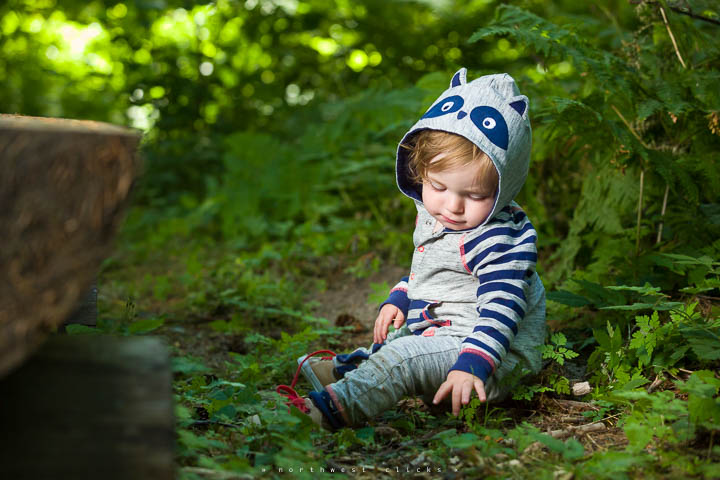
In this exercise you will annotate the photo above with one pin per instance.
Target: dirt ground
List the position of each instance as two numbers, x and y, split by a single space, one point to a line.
346 302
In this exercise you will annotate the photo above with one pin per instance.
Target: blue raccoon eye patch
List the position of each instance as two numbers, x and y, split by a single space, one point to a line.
492 124
445 106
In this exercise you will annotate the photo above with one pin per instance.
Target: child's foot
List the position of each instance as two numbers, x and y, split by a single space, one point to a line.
318 406
305 405
320 372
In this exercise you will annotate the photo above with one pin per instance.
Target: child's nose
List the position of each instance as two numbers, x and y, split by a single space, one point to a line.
455 204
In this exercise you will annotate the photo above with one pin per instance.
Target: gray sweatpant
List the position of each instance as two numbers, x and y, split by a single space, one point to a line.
410 364
407 364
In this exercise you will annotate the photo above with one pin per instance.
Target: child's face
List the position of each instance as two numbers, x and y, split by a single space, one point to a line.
456 199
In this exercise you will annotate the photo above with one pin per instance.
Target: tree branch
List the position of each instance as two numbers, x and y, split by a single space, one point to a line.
672 37
680 11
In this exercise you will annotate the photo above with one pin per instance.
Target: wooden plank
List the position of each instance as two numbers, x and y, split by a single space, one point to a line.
89 407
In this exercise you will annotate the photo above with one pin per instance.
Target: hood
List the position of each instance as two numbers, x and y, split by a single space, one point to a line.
491 113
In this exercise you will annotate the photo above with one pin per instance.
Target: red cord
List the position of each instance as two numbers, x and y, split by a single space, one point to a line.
289 392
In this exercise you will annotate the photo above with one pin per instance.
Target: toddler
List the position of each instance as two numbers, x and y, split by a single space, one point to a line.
472 307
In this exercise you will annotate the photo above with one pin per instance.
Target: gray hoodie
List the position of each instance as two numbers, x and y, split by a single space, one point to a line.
478 283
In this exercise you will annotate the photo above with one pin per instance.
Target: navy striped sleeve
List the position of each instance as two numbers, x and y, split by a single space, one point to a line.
502 259
398 296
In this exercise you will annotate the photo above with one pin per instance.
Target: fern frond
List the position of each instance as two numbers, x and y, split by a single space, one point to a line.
553 42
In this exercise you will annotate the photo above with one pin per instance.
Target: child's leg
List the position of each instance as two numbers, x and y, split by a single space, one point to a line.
409 365
349 361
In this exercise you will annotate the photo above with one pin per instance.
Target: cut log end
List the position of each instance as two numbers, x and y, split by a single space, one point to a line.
63 188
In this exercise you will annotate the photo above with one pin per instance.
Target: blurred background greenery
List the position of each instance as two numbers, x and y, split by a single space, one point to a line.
270 125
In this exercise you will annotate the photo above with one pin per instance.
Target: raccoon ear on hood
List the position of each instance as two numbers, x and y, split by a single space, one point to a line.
490 112
520 105
460 78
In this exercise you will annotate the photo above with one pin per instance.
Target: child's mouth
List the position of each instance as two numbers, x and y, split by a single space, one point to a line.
454 222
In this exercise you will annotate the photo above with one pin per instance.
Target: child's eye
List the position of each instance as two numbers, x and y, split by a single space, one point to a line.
436 186
477 196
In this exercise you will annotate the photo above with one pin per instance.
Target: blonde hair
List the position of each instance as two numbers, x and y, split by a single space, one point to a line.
454 151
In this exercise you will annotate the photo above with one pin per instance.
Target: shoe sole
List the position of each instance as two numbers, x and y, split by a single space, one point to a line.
310 375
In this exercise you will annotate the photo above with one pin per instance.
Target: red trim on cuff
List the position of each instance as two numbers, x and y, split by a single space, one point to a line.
480 353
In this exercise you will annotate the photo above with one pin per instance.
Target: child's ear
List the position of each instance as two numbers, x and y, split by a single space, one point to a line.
460 78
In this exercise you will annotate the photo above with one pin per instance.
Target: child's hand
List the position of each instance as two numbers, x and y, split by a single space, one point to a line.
461 385
388 313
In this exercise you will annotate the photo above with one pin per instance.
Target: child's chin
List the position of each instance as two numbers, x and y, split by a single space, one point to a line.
454 226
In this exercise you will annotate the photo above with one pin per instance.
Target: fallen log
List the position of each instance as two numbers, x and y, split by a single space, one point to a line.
63 186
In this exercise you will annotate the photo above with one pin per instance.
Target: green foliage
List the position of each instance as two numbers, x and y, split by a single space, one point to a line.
379 292
703 401
657 418
556 350
552 380
655 342
622 109
480 416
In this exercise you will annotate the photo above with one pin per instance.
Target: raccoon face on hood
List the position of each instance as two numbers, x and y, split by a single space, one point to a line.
489 112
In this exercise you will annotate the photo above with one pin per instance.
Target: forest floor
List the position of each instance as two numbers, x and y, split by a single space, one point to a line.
220 367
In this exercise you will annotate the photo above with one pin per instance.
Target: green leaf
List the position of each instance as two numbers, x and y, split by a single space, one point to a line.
711 211
703 342
366 434
636 381
145 325
552 443
188 365
77 329
227 411
380 292
567 298
703 403
573 450
646 289
462 441
661 306
638 434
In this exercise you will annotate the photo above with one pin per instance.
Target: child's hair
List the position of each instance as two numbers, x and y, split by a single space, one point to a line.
458 152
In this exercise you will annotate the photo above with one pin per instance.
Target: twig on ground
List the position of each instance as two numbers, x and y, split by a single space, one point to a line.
565 433
334 464
570 404
580 429
219 474
572 418
589 437
656 383
212 422
609 417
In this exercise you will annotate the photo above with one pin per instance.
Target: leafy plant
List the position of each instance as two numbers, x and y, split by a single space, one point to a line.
556 349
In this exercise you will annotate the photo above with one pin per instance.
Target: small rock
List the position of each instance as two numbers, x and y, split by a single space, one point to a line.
581 388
